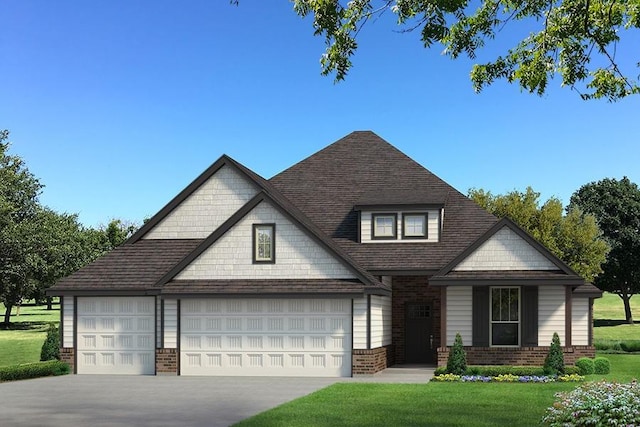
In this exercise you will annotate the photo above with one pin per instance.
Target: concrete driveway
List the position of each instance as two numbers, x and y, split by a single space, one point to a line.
110 400
101 400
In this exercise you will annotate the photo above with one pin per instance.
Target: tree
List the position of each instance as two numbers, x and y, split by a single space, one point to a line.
19 191
554 362
616 205
574 238
575 39
457 360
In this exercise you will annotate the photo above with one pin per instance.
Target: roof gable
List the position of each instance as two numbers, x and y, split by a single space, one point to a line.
289 212
506 247
204 204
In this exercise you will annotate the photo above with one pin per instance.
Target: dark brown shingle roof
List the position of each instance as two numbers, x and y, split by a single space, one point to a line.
327 185
129 267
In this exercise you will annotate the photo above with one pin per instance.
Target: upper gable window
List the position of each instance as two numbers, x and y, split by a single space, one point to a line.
264 243
384 226
414 226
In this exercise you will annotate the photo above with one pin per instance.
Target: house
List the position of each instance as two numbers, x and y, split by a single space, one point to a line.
351 260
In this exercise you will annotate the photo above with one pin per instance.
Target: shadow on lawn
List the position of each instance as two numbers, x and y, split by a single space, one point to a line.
24 326
611 322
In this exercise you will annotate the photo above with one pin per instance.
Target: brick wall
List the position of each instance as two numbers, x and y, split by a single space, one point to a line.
166 361
522 356
413 289
371 361
67 355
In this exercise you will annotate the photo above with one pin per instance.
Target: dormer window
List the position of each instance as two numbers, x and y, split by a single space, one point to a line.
414 226
384 226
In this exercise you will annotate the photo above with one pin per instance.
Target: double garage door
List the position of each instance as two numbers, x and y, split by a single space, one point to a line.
224 337
265 337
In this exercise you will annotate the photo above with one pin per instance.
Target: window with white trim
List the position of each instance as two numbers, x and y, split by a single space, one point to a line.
264 243
414 226
384 226
505 316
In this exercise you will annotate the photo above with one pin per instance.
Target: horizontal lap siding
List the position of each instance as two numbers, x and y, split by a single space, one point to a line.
459 311
170 323
360 323
67 321
551 314
380 321
580 321
206 208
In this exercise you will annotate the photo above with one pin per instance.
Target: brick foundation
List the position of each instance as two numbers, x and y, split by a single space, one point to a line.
166 361
413 289
371 361
67 355
521 356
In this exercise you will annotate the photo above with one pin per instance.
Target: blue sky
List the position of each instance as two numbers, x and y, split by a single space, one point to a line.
117 105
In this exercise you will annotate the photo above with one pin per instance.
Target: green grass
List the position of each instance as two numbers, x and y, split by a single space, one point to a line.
432 404
609 319
23 342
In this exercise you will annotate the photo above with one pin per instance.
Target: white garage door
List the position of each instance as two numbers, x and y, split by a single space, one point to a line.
265 337
116 335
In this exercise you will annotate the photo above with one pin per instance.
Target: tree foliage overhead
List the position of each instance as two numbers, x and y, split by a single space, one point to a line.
574 238
574 39
616 205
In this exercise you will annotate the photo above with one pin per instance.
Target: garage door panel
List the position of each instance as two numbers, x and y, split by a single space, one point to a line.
116 335
266 337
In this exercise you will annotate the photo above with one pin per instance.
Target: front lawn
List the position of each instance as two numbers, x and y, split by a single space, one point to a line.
431 404
23 341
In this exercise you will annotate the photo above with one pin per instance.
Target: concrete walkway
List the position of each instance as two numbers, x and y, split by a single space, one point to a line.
111 400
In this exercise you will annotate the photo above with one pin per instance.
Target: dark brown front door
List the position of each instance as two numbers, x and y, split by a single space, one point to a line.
418 333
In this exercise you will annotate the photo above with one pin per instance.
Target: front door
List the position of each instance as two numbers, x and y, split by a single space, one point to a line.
418 333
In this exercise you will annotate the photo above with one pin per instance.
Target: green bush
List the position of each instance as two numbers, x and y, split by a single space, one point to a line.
585 365
572 370
607 345
596 404
496 370
630 346
441 370
554 362
51 347
601 365
457 361
33 370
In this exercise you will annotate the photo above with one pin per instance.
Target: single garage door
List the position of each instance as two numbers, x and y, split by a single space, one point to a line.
116 335
266 337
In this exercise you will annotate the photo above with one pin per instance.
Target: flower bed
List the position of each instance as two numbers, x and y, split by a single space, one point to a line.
508 378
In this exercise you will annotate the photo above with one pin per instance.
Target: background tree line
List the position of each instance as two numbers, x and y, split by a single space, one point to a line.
39 246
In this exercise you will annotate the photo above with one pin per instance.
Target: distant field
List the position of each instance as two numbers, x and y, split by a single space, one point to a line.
609 320
22 344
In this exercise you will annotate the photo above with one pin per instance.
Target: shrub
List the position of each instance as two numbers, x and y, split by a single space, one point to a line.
554 362
441 370
51 347
585 365
610 346
33 370
457 361
596 404
630 346
601 365
495 370
570 370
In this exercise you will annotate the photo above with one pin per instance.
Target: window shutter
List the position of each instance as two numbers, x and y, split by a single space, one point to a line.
529 316
480 313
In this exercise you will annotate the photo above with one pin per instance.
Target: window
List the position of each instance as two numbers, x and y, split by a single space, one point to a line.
414 226
505 316
384 226
264 243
